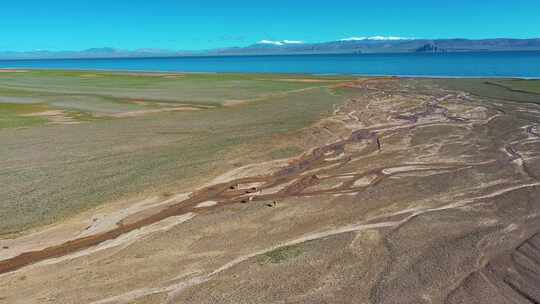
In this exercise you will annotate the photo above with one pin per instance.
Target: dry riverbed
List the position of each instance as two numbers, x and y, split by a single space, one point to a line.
407 193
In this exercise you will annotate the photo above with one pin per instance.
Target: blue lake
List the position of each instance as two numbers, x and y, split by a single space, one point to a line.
467 64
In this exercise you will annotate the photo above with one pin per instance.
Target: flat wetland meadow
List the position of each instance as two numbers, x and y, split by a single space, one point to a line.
72 140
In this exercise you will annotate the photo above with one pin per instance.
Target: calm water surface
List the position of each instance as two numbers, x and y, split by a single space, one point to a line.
470 64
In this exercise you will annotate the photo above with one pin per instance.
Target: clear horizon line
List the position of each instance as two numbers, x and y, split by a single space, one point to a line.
284 42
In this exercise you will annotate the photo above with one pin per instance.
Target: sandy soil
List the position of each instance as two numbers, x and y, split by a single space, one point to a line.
54 117
151 111
11 71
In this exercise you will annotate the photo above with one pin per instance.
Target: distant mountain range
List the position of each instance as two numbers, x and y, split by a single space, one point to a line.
286 47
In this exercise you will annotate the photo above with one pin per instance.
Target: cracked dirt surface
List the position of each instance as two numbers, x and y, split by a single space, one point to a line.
409 193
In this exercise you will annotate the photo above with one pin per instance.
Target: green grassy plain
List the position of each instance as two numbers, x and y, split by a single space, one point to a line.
280 255
51 171
101 94
13 115
520 90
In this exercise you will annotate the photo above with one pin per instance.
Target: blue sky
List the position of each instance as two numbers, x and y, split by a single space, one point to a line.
192 25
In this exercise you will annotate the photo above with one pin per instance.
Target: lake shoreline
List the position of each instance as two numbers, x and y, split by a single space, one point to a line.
521 65
158 72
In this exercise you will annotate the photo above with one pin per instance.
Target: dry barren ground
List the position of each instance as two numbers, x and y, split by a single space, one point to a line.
407 193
